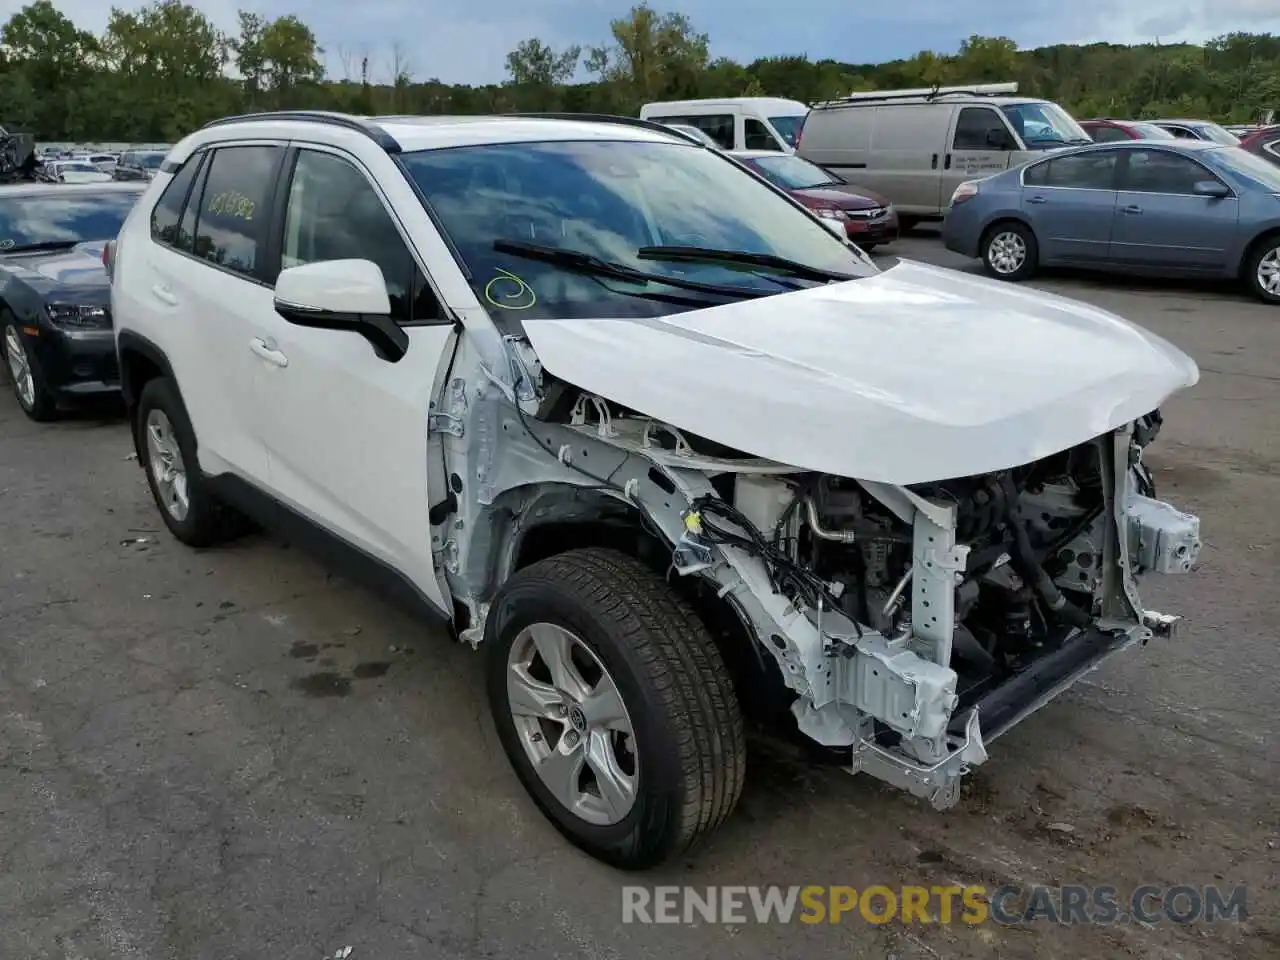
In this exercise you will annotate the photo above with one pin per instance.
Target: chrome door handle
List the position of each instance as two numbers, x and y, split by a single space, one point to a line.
268 352
1037 200
164 294
1133 208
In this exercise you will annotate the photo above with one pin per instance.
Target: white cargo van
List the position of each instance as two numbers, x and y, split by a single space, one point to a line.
737 123
916 146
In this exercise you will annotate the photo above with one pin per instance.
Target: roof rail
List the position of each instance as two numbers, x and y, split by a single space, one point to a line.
346 120
926 93
612 118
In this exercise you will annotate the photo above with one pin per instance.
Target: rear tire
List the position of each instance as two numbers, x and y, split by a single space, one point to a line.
1262 271
168 449
686 749
1010 251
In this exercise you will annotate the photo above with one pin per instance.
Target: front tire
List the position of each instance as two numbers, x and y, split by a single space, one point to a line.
1010 251
614 707
32 393
165 437
1263 270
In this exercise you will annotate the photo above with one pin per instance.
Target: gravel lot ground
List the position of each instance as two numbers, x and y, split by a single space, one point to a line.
230 754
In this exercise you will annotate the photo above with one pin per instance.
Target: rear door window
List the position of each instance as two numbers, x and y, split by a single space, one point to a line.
1159 171
235 207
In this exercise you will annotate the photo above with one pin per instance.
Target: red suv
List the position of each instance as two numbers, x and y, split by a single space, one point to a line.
1107 131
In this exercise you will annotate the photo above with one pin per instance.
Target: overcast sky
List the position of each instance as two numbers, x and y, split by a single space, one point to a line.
465 41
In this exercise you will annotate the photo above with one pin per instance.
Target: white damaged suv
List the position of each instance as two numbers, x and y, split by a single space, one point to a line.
641 427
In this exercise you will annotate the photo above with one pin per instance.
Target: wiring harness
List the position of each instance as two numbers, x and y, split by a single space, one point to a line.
706 520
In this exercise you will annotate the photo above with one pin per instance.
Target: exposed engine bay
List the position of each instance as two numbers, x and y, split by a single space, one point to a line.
1033 555
912 624
958 594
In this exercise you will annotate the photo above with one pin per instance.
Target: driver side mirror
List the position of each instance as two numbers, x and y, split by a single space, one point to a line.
836 227
1000 140
349 295
1211 188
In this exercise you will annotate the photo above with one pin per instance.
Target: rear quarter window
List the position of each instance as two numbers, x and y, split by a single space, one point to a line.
168 209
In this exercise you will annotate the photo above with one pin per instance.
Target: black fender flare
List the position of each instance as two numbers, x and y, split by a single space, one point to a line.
130 344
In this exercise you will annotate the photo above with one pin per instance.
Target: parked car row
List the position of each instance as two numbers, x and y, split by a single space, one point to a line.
917 151
864 216
71 171
67 166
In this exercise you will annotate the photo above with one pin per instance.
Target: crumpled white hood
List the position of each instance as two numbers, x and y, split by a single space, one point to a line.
914 375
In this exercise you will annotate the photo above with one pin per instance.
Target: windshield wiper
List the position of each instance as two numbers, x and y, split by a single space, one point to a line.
41 246
769 260
592 265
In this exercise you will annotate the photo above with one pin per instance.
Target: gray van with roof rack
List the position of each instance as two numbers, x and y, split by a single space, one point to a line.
916 146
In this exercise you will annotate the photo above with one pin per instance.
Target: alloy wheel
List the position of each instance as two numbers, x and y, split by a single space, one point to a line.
571 721
19 368
1269 272
1007 252
167 467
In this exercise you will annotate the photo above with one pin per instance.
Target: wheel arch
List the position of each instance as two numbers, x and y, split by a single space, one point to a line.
566 518
140 361
996 220
1269 234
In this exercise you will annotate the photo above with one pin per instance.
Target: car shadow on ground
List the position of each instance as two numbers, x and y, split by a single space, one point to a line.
86 416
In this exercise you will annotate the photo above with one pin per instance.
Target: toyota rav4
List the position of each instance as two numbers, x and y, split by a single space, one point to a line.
634 421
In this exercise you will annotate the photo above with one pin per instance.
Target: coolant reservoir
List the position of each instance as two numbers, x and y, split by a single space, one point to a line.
762 500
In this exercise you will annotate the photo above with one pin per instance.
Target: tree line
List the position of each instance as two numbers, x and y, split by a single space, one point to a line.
159 71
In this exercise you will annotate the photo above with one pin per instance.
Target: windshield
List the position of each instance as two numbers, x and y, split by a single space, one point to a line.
1219 134
149 161
1041 122
49 218
77 167
789 128
1245 164
1149 131
792 173
608 200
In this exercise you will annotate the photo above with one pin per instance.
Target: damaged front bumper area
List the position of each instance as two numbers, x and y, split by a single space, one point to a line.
899 697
